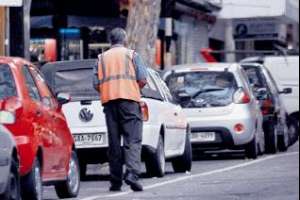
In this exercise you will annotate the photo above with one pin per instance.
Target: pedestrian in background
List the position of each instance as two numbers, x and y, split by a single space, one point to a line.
120 74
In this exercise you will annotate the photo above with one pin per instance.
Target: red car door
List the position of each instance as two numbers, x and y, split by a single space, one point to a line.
59 130
40 120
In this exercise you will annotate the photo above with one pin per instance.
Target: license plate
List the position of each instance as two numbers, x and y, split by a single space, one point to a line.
96 139
204 137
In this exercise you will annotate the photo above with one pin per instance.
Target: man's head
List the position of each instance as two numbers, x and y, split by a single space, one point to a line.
118 36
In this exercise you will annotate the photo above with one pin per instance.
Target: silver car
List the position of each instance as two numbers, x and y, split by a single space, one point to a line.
9 170
220 105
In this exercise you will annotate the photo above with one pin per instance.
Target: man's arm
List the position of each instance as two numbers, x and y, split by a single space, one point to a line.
141 70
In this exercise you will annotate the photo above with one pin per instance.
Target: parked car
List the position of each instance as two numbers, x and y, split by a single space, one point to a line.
285 70
165 132
9 161
220 105
45 145
275 115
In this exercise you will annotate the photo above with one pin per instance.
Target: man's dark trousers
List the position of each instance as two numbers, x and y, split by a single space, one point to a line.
124 118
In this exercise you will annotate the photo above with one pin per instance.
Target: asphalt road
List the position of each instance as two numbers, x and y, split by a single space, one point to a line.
223 177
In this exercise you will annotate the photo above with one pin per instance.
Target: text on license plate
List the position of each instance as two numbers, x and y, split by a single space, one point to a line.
89 139
204 137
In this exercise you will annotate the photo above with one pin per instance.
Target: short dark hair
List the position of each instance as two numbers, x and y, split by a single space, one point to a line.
118 36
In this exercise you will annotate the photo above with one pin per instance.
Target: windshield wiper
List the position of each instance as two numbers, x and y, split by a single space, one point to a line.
207 90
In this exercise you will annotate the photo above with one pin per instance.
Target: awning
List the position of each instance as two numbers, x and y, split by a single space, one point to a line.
283 10
42 22
78 22
11 3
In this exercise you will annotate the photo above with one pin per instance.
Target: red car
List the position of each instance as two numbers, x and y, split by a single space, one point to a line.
45 144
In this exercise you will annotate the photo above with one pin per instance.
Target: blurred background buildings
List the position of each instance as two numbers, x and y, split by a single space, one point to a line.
50 30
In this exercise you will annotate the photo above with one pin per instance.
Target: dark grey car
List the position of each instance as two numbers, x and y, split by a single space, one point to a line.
9 165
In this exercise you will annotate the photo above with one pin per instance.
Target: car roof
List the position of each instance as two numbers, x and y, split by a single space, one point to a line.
204 67
15 60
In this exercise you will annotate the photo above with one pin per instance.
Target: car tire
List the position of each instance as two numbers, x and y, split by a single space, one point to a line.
271 139
252 149
284 140
31 184
13 190
183 163
83 170
156 162
70 187
293 125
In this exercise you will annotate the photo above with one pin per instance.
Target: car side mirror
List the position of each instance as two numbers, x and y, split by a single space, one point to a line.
286 91
7 117
184 97
262 94
63 98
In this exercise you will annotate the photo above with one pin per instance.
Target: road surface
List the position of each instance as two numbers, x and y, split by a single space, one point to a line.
214 177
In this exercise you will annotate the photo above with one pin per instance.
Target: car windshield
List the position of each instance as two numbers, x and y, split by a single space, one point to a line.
7 84
78 83
202 89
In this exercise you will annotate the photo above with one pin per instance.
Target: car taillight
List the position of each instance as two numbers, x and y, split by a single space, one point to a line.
239 128
145 111
267 107
241 97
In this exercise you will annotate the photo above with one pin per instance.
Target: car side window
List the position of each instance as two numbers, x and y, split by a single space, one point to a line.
7 83
47 96
31 85
164 88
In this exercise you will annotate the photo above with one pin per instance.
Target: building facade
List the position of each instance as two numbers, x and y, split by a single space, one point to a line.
258 27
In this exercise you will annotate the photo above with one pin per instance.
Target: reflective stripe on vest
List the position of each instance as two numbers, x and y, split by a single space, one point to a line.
120 76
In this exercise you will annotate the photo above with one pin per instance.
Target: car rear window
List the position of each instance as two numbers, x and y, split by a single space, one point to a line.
203 89
7 83
78 83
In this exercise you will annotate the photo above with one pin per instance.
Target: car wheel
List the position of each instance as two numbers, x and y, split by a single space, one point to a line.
32 186
70 187
271 142
156 162
252 149
293 130
184 163
12 191
284 140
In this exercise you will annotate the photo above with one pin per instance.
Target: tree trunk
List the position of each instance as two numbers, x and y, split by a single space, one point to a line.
142 28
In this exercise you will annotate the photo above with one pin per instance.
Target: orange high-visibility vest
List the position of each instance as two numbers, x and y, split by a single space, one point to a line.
117 76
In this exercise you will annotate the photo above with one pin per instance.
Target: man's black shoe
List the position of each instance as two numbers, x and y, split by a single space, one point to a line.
133 182
115 189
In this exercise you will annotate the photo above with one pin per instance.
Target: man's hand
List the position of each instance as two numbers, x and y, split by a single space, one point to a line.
142 83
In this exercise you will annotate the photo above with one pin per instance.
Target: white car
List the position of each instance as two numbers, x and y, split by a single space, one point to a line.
165 133
9 164
285 70
220 105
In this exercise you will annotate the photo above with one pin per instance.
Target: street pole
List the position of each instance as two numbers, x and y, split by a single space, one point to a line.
229 42
2 31
20 30
167 15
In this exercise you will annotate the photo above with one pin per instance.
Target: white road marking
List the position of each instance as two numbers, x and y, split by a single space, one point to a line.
185 178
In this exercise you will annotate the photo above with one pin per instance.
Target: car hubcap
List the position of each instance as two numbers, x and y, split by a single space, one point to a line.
38 182
73 178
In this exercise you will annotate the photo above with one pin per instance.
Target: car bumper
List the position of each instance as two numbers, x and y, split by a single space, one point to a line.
149 136
226 136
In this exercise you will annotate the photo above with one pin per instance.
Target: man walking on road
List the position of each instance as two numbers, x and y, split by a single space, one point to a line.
119 76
